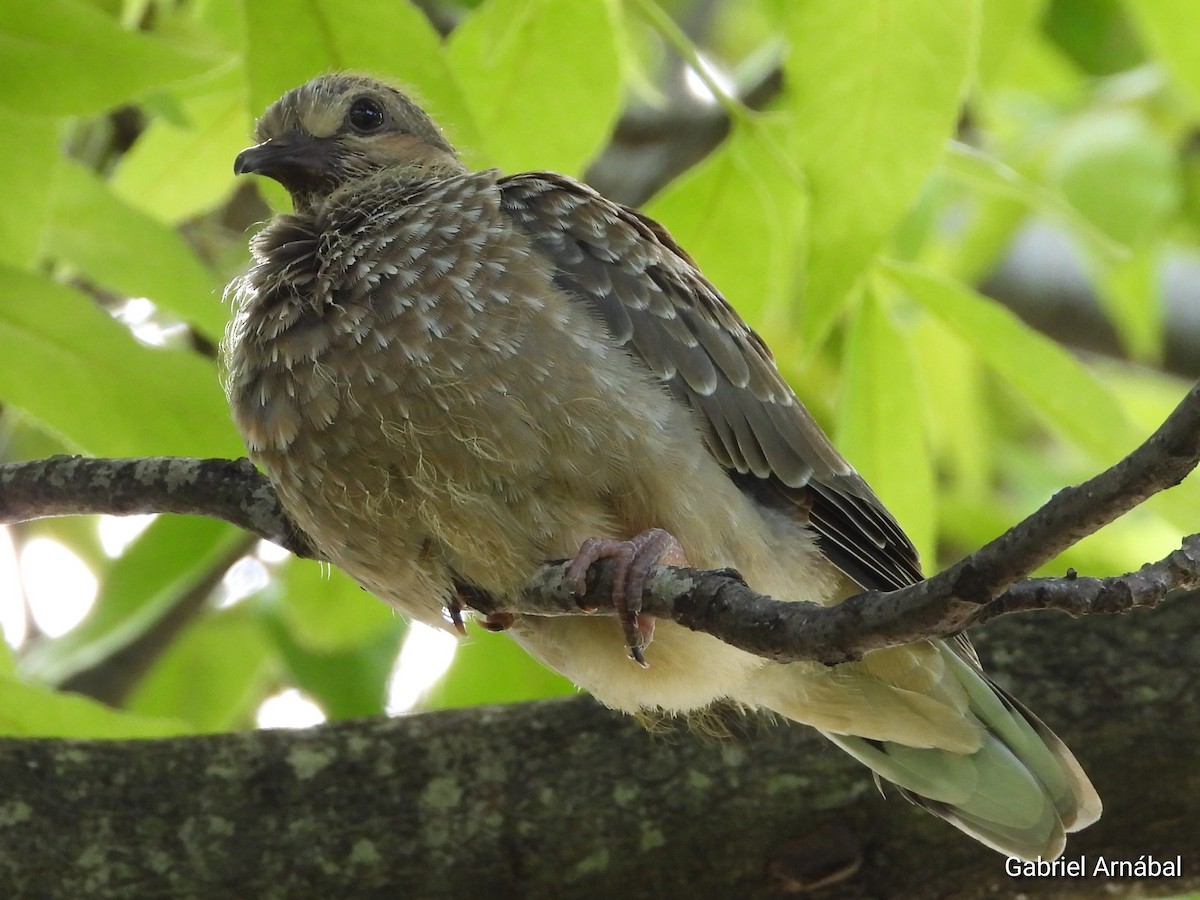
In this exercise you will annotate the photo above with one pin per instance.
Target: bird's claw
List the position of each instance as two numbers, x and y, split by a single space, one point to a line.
498 621
634 558
467 596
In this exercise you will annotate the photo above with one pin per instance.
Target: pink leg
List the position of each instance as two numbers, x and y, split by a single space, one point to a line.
634 560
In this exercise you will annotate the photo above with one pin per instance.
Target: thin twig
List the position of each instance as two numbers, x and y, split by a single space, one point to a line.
721 604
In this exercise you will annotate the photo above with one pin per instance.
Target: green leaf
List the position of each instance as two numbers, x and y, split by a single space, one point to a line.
741 215
1053 381
1119 172
992 177
1069 396
1037 78
882 421
491 668
383 37
131 253
8 665
28 710
1149 395
175 555
1168 27
1006 23
1121 547
70 366
1130 295
1095 34
179 169
29 148
214 676
221 21
542 78
325 611
962 426
874 88
346 683
63 57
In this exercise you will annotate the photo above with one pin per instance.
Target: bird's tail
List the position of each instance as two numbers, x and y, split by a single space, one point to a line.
1018 791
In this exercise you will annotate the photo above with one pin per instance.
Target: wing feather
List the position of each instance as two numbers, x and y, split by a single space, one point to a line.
654 301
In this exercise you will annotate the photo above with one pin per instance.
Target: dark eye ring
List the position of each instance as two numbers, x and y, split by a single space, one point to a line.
366 115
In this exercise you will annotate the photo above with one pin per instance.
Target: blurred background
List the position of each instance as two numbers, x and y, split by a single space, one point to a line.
967 228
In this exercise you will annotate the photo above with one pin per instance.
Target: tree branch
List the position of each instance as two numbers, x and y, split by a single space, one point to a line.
1145 588
721 604
564 799
977 588
230 490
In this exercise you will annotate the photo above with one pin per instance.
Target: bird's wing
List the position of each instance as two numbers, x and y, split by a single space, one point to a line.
657 304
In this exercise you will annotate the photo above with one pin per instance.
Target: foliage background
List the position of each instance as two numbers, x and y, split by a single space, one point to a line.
914 148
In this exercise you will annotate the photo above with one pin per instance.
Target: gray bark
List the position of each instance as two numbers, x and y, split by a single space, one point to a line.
565 799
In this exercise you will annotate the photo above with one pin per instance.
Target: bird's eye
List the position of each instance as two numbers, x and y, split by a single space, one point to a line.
366 115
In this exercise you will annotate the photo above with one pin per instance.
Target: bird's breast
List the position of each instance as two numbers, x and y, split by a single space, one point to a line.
416 370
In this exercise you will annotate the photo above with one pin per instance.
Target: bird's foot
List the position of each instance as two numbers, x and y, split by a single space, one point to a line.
634 559
498 621
454 611
467 596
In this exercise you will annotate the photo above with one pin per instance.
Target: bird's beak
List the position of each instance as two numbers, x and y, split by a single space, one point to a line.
282 157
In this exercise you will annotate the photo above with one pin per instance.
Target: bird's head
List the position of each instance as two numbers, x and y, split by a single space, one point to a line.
337 128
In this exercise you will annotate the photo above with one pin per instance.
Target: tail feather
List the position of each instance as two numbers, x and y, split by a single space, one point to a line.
1018 791
1036 747
990 794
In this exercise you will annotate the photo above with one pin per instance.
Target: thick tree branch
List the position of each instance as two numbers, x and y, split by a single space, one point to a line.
567 800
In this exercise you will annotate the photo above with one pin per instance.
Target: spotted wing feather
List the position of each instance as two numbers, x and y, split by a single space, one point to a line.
654 300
